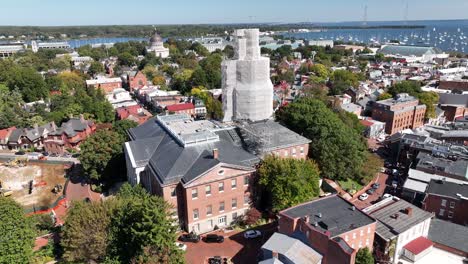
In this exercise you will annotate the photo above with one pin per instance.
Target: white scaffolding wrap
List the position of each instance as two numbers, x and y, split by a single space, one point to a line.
247 88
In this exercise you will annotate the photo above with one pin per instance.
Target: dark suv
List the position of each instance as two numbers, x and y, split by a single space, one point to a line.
190 238
213 239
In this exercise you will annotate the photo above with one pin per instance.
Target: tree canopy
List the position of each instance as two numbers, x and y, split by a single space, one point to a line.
97 152
364 256
133 227
16 232
289 182
338 149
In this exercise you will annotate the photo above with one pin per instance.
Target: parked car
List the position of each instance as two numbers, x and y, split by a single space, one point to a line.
45 153
217 260
194 238
370 191
363 196
181 246
375 186
20 152
252 234
212 238
387 195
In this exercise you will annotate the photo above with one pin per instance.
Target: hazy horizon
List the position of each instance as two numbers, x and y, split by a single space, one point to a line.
182 12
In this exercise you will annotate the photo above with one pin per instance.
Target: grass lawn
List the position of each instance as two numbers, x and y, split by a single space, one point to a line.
349 185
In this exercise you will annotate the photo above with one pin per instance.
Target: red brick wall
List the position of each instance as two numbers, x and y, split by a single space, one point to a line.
395 122
138 81
226 196
452 85
452 112
433 203
108 87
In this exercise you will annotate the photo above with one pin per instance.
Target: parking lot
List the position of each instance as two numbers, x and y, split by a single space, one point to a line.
383 179
235 247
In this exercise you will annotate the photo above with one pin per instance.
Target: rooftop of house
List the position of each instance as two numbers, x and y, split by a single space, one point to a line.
448 189
333 214
173 148
456 167
418 245
293 249
266 136
72 126
449 234
395 216
400 98
408 50
418 181
180 107
4 133
103 80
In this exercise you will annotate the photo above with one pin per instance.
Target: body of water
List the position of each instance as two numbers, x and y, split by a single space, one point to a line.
446 35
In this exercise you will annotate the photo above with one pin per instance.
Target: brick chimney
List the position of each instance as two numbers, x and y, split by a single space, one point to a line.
215 153
409 211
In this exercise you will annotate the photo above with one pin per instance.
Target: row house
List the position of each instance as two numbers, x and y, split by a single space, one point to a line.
27 138
185 108
332 226
447 200
133 112
4 136
69 135
107 85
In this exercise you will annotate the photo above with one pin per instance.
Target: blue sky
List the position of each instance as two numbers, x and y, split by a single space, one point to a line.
108 12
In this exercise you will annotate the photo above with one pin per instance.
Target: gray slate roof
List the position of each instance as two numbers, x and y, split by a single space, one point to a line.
457 168
332 214
409 50
449 234
293 249
389 226
448 189
266 136
153 146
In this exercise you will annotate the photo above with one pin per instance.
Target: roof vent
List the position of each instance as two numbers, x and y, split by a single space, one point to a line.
395 216
319 215
353 208
315 224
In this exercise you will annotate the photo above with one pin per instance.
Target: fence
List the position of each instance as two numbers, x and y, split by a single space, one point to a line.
47 209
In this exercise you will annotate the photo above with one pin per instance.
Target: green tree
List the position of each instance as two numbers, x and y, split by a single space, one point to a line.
29 82
342 80
126 59
143 230
410 87
364 256
288 182
384 96
337 148
85 233
122 126
430 99
97 152
321 73
16 232
95 68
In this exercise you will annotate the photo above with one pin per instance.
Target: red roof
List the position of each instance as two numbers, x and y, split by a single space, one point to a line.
180 107
6 132
366 123
418 245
